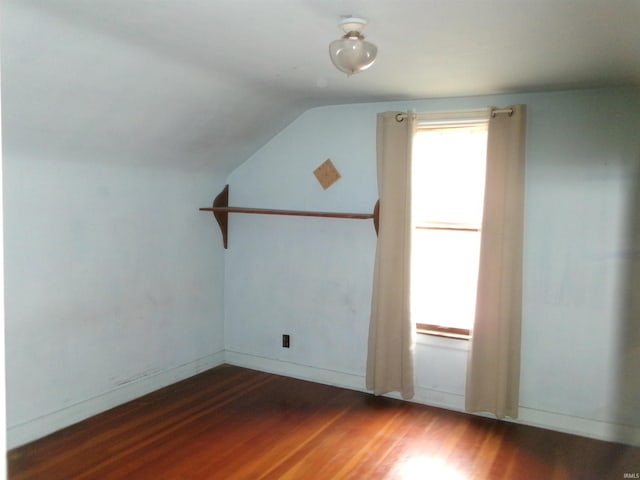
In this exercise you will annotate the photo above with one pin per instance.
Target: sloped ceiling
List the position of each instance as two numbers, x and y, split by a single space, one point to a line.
202 84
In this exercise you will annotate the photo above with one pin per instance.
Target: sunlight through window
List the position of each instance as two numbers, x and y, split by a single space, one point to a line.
419 468
448 194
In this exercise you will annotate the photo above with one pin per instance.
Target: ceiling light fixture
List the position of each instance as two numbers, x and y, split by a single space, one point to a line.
351 53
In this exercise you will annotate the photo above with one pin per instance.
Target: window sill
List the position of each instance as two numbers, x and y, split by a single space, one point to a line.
446 332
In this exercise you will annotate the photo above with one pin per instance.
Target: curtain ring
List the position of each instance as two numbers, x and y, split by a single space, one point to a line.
400 117
496 111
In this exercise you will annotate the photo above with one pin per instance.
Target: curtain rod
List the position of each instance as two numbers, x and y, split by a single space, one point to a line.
496 111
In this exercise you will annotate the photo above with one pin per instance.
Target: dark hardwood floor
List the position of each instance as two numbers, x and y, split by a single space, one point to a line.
234 423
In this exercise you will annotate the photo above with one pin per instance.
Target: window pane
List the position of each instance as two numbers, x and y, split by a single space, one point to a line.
448 171
444 277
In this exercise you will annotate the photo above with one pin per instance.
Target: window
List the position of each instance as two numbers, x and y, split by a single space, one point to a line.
448 177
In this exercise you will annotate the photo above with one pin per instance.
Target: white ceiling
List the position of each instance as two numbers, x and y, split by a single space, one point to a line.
205 83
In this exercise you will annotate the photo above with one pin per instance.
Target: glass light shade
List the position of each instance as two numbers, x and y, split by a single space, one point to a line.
352 54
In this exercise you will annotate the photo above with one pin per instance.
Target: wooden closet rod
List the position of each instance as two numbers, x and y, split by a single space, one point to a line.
299 213
221 211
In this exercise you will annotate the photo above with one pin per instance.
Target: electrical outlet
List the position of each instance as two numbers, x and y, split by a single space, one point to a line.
285 340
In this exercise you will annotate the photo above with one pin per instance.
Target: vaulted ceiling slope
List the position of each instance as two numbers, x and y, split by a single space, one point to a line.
204 83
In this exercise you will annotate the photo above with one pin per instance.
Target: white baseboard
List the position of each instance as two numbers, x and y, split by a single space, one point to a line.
585 427
36 428
451 401
39 427
296 370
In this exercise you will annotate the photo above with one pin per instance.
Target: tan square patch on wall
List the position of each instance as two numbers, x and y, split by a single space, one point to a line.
327 174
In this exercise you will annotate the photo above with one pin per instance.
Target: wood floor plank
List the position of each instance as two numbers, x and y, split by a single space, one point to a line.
235 423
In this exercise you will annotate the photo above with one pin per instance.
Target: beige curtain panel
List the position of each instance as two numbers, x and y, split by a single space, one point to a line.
390 354
493 375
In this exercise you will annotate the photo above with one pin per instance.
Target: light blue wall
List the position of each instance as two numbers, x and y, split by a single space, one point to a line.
113 286
116 284
311 277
